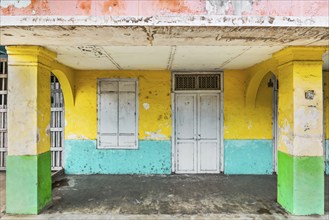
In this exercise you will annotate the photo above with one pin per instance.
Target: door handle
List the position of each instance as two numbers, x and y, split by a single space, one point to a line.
197 137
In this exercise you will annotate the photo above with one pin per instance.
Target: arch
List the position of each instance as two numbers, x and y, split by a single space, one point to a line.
65 75
257 73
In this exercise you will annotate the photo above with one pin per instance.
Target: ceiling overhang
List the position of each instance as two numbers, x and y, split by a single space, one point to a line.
164 47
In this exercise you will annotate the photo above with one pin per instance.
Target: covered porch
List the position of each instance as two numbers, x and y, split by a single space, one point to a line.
246 140
164 197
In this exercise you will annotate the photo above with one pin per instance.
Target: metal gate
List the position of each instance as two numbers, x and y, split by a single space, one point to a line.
56 124
3 111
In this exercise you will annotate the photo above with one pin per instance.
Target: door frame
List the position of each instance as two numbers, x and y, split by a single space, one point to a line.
221 114
275 112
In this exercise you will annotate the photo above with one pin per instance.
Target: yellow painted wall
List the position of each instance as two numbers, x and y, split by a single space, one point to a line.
242 121
154 91
66 77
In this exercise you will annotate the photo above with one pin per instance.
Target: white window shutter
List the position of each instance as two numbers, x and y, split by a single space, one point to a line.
117 114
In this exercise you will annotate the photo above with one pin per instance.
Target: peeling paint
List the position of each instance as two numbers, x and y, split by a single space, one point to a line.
155 135
249 125
152 157
146 106
110 5
15 3
300 119
85 5
165 7
38 135
48 130
285 137
76 137
154 87
308 118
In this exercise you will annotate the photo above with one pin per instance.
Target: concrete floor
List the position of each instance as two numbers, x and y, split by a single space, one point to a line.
164 197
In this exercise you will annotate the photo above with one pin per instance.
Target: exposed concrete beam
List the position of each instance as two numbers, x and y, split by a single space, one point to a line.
163 36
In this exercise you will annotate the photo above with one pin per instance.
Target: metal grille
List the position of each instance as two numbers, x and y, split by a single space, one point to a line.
197 82
209 82
56 124
3 111
185 82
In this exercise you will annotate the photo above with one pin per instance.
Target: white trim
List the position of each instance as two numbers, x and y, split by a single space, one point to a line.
136 110
221 114
169 20
173 134
275 109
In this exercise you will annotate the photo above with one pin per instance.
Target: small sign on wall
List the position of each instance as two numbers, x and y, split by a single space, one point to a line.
309 94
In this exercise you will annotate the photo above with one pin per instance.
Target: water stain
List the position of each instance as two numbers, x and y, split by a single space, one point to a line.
85 6
175 6
113 6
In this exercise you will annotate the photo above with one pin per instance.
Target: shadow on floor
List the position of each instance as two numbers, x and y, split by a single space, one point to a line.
174 194
92 196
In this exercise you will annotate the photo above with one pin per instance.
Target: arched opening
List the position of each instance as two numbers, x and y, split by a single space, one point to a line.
266 102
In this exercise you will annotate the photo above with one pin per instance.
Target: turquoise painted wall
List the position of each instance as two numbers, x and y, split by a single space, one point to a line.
152 157
248 157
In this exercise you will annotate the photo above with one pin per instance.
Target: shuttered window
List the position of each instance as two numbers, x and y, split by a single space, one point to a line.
117 113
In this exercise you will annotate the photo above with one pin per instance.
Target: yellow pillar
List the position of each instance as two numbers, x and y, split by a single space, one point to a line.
28 162
300 122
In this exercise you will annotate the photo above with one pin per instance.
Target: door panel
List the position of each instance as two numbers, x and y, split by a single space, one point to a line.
208 116
185 133
208 157
186 117
208 133
186 157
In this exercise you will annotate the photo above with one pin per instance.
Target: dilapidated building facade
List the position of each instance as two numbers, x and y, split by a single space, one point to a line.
162 87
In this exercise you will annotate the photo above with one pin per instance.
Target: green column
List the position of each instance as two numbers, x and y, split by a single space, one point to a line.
28 177
300 122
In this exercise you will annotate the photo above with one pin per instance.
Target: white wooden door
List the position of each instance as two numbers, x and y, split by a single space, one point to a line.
197 133
208 133
186 143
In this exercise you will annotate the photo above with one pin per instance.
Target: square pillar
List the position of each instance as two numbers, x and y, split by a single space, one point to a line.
28 177
300 121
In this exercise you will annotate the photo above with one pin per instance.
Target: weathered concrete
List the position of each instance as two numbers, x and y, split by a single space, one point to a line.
166 197
163 35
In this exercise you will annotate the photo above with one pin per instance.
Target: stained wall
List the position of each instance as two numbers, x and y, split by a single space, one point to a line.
163 7
154 128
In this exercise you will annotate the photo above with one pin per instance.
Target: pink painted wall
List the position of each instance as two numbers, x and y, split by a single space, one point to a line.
164 7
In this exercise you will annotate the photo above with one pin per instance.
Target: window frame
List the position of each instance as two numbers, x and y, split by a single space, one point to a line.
99 80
